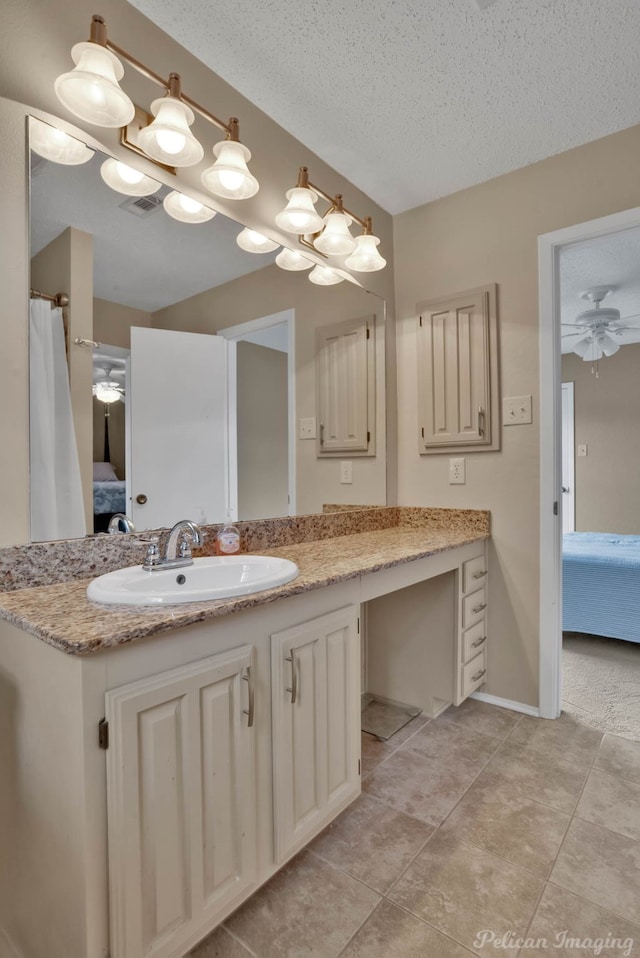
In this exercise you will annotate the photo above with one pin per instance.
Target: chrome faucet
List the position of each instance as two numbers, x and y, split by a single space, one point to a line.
177 551
118 520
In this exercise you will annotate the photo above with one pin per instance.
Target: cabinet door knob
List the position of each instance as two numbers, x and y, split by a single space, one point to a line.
479 575
294 677
481 422
479 608
478 675
141 499
478 642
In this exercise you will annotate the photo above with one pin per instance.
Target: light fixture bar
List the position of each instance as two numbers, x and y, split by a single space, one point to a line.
98 34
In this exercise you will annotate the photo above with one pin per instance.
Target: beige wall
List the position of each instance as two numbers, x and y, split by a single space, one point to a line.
112 322
483 235
607 483
263 441
66 265
42 34
264 293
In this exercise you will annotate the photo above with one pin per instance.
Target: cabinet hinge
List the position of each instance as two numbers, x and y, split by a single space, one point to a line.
368 438
420 320
358 625
359 767
422 431
368 333
555 508
103 733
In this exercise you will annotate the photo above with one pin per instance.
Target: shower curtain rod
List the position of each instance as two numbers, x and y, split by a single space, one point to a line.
60 299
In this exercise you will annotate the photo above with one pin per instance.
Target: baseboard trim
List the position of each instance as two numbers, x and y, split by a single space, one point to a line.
7 947
506 704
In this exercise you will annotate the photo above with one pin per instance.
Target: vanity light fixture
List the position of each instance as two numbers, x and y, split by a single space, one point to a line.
56 145
186 209
329 236
253 242
292 260
91 91
125 179
325 276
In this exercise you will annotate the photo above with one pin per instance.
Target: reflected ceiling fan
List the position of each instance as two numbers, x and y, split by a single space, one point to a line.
107 380
599 331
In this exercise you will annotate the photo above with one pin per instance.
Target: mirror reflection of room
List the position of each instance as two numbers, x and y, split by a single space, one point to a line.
156 399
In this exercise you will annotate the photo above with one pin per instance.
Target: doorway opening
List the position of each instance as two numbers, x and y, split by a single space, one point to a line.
595 344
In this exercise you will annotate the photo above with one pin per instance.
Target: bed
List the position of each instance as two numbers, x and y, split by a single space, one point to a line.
601 584
109 497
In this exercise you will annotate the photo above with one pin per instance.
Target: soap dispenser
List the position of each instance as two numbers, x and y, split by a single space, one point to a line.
228 538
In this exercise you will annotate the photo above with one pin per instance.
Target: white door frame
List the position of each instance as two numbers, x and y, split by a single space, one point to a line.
550 700
266 322
568 462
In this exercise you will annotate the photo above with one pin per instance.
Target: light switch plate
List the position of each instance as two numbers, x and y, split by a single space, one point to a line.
457 472
346 473
307 429
516 410
583 449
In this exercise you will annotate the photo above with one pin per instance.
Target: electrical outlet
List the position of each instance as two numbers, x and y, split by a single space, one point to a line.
516 411
346 473
307 429
457 472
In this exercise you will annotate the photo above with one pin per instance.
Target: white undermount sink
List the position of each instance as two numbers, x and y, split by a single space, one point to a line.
212 577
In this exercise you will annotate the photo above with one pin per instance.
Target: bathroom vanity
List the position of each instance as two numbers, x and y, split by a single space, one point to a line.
158 765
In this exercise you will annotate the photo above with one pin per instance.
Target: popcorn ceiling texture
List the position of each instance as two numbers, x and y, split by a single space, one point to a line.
61 615
416 99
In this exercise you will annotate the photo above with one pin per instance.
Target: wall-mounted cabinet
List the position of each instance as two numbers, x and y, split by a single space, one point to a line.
458 388
345 378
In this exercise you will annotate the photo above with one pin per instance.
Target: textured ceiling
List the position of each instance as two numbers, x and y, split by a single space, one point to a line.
415 99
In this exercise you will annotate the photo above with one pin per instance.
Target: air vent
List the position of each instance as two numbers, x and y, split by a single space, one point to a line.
141 205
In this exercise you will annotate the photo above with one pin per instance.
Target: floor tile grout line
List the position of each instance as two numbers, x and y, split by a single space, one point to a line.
429 924
595 904
359 928
537 905
240 941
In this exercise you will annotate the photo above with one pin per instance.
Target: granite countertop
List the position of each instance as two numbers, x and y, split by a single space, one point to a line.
61 615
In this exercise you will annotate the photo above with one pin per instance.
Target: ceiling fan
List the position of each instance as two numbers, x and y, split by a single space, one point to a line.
599 331
106 385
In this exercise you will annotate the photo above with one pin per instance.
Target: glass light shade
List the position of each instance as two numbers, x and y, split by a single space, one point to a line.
335 239
607 343
292 260
229 176
107 392
582 347
254 242
125 179
299 215
366 258
56 145
186 209
324 276
91 90
168 139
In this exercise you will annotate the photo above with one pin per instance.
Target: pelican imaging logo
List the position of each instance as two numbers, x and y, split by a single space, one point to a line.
562 941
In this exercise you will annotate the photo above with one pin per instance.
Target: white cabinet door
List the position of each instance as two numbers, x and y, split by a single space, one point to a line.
345 374
316 725
181 803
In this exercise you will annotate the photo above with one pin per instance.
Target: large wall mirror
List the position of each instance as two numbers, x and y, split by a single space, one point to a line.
207 354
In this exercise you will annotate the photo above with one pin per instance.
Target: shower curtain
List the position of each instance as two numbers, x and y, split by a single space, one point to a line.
57 510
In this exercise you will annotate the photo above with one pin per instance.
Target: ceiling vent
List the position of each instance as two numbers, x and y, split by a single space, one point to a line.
141 205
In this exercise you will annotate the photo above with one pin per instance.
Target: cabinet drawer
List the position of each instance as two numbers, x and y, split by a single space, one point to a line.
474 639
474 673
474 572
473 607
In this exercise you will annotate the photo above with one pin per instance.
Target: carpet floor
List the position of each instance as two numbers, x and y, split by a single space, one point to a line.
601 683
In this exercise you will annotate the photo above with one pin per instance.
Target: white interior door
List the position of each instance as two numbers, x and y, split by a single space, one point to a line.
568 461
178 450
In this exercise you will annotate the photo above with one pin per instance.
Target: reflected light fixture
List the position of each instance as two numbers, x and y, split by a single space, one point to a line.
253 242
329 236
325 276
125 179
293 260
186 209
91 91
56 145
107 391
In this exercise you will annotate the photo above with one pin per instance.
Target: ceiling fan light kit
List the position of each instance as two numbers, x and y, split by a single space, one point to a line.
598 329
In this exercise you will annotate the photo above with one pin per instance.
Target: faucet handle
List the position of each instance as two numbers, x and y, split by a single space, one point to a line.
152 558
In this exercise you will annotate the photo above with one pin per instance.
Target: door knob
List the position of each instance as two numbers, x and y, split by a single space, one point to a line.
141 499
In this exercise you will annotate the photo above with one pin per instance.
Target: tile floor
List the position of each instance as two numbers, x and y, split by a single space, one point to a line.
482 820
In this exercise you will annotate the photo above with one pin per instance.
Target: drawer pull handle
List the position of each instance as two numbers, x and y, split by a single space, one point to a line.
294 677
248 678
479 575
478 642
478 675
479 608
